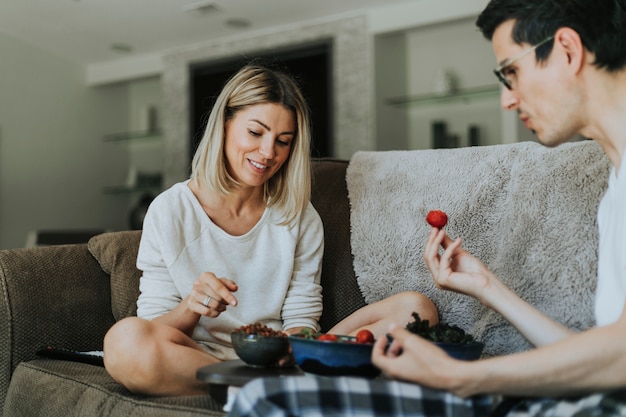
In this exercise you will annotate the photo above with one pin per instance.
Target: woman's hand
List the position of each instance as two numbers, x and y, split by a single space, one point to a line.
455 269
211 295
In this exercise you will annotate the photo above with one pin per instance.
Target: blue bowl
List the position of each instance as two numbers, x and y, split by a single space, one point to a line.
342 357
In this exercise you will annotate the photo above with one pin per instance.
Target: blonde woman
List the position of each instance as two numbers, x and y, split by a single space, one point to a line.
238 242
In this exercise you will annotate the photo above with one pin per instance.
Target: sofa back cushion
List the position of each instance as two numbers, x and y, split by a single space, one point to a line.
329 196
116 252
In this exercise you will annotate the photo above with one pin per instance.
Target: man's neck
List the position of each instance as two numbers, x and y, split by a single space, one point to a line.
606 99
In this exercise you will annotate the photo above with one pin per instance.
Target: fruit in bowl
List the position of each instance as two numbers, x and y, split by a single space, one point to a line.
259 345
329 354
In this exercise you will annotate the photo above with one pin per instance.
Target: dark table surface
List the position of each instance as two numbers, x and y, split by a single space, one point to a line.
237 373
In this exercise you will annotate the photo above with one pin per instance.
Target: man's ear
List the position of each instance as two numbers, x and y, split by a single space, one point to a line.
568 40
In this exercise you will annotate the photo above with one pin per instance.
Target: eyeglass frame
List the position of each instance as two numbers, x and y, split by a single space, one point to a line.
499 71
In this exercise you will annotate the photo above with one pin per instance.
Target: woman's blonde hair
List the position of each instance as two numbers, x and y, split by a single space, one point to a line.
289 189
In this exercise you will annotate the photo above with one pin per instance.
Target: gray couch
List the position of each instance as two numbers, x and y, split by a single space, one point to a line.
539 236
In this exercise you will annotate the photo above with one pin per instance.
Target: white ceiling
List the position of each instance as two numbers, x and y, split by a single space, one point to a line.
85 30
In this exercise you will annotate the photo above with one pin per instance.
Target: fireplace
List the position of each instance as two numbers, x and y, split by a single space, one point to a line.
310 65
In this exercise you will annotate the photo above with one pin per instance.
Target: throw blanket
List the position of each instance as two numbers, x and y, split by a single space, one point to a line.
528 212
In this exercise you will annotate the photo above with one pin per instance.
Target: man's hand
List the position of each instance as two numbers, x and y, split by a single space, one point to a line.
412 358
455 269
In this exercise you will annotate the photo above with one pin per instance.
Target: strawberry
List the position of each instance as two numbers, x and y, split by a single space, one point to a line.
328 337
437 218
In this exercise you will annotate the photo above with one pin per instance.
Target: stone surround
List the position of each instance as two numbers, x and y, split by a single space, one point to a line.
351 77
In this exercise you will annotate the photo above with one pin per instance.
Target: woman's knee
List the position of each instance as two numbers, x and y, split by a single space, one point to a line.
126 333
126 343
413 301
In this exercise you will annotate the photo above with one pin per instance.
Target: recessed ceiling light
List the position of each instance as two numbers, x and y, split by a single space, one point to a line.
238 23
202 6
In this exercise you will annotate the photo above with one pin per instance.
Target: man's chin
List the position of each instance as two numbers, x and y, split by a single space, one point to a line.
552 142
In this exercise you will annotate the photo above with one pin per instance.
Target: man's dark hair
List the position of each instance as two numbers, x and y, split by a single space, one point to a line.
601 25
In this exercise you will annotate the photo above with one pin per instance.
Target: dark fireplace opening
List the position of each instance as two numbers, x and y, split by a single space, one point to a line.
310 65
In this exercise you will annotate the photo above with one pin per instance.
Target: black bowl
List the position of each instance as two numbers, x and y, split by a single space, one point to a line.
463 351
342 357
257 350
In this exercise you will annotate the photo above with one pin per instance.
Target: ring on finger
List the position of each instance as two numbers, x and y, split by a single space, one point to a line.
206 301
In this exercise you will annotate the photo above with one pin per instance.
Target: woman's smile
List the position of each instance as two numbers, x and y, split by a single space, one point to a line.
258 165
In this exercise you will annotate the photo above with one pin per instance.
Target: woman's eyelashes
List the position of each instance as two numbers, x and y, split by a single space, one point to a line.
284 142
281 142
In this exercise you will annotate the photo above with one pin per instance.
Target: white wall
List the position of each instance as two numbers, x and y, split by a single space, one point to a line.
53 161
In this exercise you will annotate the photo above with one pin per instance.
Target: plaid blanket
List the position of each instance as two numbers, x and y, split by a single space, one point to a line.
313 396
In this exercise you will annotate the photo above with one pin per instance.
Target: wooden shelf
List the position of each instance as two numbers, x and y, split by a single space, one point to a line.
460 96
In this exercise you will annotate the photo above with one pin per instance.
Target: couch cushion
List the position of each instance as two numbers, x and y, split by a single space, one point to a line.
116 253
52 388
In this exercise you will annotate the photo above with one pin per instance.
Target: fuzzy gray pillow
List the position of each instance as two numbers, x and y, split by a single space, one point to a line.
527 211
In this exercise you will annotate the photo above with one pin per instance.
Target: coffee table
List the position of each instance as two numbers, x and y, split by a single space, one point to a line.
236 373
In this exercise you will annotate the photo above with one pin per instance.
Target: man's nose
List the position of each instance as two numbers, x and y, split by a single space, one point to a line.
508 100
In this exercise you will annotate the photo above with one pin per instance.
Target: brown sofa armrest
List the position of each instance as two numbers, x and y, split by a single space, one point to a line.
55 295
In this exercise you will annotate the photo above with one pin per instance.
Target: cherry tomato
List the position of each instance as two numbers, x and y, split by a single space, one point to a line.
365 336
328 336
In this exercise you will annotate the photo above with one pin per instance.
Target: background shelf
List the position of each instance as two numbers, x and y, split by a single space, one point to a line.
462 95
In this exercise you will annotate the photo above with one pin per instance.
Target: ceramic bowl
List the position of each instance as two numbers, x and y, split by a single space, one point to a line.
255 350
463 351
341 357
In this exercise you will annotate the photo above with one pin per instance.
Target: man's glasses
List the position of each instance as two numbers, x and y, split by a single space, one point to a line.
500 71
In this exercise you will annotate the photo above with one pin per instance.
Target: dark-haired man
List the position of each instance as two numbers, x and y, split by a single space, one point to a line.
563 67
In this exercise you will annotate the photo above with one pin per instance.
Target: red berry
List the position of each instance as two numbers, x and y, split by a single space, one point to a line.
328 336
437 218
364 336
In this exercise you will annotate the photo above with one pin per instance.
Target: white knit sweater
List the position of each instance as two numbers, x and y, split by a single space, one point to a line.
277 268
